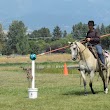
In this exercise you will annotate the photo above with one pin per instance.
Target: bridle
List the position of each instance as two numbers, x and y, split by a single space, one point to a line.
78 48
81 52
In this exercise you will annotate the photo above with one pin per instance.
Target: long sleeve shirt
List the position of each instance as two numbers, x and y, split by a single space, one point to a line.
95 39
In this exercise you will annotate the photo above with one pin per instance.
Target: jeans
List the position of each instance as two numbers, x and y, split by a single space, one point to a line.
100 53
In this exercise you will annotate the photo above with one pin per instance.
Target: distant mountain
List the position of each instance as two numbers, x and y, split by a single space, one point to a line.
49 13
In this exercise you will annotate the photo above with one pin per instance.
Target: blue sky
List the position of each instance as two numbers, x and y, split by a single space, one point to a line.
49 13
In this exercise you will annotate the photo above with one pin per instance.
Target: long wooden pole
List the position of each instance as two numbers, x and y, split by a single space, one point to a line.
53 50
104 35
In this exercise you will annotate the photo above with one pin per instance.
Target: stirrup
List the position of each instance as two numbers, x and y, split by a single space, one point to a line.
103 66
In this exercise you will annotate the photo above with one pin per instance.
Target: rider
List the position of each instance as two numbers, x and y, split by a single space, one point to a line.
93 39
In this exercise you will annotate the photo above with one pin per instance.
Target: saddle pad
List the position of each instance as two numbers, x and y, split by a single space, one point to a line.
106 54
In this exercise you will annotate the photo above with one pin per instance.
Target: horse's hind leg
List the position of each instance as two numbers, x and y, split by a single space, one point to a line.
91 80
103 79
107 79
84 81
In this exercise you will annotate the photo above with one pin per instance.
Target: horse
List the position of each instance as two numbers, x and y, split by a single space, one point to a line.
89 64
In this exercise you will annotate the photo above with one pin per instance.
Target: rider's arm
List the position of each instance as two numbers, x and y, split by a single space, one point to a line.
94 37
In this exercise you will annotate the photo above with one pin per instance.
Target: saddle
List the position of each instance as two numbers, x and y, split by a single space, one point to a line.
95 54
93 51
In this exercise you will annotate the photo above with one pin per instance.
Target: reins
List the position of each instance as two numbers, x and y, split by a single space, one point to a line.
82 52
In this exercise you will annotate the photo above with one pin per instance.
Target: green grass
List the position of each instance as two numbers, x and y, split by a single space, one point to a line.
55 92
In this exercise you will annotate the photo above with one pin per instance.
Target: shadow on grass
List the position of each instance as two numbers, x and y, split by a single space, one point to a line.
78 93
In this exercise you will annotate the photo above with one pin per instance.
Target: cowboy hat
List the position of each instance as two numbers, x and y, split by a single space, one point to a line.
91 23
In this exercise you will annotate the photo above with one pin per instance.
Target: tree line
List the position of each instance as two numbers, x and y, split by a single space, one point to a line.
19 41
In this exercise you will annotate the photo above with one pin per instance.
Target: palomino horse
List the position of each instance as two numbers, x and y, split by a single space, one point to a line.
88 63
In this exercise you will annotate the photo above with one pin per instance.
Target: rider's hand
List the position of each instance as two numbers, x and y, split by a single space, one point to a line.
88 39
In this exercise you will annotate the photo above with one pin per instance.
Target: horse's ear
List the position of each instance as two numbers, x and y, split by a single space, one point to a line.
75 41
70 43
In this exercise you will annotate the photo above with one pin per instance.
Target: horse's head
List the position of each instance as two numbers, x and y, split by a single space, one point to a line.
74 50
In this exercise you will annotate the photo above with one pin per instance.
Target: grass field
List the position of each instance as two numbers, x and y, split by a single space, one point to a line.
55 91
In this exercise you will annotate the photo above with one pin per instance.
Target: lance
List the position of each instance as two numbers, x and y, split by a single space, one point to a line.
53 50
104 35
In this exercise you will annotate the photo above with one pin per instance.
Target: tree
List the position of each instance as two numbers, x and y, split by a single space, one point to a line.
34 34
108 29
98 29
106 41
64 33
17 38
2 38
79 30
84 30
102 29
41 33
44 32
57 33
34 47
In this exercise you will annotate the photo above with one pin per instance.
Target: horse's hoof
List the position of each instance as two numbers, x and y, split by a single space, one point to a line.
85 94
106 91
93 92
78 69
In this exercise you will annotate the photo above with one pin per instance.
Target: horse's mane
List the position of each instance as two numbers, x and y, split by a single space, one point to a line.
84 49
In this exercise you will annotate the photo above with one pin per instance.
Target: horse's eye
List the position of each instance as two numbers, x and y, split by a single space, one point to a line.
74 48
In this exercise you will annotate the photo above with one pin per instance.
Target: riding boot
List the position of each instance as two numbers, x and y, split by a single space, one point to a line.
101 56
103 67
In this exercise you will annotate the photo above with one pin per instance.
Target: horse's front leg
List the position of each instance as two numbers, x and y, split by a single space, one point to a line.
84 80
91 80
